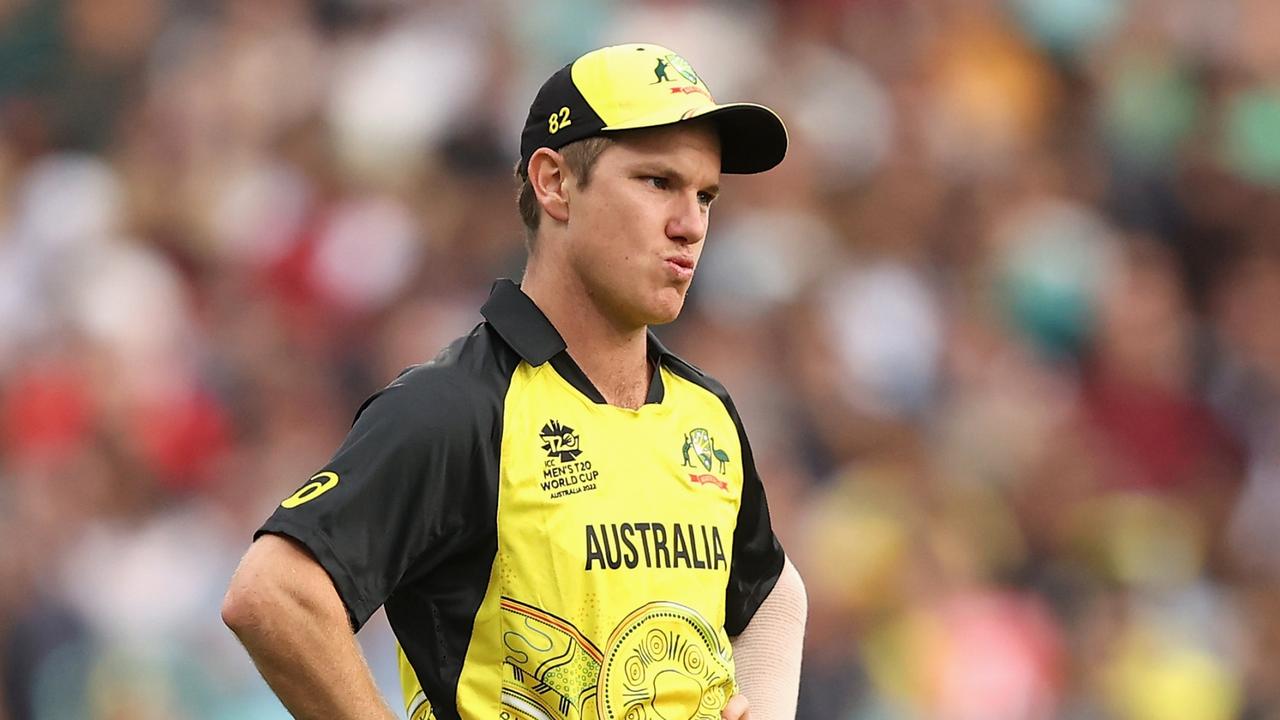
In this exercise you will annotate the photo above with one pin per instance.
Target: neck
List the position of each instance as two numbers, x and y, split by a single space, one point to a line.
612 354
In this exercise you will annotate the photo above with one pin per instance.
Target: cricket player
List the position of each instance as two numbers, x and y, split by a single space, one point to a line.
561 517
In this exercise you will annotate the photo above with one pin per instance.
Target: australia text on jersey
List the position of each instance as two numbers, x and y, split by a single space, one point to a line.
654 545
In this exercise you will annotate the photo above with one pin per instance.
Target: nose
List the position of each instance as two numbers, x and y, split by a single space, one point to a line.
687 223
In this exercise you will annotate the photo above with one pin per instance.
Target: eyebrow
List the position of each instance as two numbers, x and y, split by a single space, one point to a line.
658 168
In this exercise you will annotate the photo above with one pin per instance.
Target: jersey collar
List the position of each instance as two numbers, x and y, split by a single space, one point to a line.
523 326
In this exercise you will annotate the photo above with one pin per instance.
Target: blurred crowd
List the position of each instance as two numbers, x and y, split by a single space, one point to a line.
1004 327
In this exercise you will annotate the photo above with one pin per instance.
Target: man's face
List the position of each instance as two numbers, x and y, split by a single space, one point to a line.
635 231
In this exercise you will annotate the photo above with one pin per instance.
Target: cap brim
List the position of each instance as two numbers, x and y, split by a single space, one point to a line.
753 138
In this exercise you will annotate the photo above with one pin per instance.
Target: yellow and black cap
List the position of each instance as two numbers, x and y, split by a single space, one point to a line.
626 87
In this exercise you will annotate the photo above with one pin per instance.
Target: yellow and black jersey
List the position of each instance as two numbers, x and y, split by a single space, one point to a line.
540 553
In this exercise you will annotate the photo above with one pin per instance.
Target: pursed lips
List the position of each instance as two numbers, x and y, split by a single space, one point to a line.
681 261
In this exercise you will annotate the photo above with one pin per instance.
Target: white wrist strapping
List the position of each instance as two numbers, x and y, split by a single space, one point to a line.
767 653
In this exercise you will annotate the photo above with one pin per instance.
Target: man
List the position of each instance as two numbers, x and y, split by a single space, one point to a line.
562 518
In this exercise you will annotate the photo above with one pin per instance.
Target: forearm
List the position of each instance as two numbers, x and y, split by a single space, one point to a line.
767 653
316 672
299 638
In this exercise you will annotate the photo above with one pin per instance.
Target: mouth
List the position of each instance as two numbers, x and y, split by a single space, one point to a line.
680 266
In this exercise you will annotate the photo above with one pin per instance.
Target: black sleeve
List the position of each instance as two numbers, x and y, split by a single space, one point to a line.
757 555
402 492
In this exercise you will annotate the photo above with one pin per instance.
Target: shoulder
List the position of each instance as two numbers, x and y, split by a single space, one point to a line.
462 386
688 371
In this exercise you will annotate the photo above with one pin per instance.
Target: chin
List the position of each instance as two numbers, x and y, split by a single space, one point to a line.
666 310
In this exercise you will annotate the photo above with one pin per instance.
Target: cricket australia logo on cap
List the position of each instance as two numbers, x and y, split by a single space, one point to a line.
563 472
699 444
665 63
684 68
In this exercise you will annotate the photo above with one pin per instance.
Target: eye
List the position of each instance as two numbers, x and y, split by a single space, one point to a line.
658 181
705 199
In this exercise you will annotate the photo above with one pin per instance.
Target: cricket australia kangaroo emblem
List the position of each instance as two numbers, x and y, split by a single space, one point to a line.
700 446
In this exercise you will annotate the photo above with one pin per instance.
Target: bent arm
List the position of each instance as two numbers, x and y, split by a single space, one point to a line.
767 653
283 606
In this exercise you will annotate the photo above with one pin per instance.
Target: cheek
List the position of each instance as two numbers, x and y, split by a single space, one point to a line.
622 230
602 257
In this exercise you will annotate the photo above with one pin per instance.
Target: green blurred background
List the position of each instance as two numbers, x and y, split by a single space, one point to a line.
1004 327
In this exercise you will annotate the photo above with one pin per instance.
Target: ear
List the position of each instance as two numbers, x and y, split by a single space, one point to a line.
548 175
